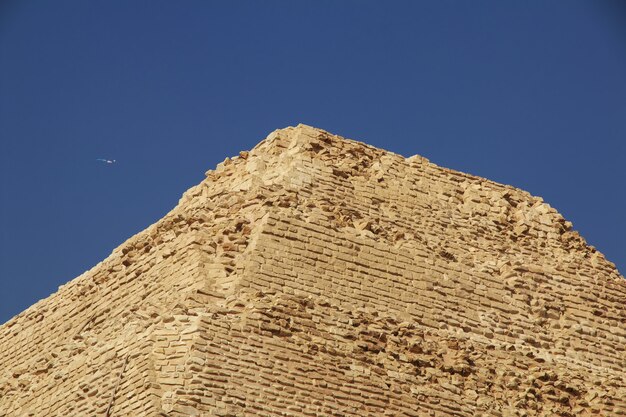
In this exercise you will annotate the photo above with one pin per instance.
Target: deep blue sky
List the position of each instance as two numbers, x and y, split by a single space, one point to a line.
531 94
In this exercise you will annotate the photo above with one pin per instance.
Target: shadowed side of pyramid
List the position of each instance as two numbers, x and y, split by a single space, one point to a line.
316 275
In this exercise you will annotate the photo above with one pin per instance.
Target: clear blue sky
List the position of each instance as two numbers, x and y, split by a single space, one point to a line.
531 94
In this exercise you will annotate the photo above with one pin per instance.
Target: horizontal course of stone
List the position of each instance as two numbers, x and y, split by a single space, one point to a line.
316 275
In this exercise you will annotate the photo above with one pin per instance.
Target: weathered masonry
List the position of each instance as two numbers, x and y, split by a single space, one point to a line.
319 276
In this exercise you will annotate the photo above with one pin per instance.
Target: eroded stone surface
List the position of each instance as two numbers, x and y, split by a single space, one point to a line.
315 275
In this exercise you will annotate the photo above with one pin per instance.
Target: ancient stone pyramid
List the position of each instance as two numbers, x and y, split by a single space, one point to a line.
319 276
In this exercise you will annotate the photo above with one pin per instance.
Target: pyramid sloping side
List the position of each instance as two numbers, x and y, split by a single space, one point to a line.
320 276
66 354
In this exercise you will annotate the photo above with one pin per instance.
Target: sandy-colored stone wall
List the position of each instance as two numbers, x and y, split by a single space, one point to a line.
63 355
316 275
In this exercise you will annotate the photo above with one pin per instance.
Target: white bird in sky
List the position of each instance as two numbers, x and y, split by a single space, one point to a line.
106 161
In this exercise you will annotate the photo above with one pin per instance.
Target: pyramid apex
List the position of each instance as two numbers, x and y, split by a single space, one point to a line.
300 128
304 138
292 138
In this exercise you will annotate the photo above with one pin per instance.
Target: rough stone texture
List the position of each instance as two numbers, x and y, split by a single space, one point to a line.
319 276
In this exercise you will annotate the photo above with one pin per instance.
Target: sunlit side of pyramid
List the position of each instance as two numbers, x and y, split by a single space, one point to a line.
319 276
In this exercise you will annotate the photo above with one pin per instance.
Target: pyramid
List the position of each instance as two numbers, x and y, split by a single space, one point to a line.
320 276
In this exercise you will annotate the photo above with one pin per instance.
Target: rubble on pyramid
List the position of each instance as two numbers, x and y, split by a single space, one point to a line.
319 276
